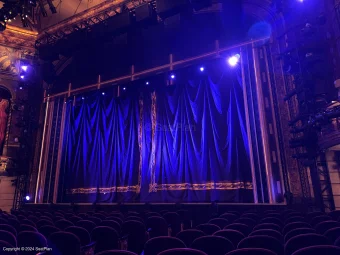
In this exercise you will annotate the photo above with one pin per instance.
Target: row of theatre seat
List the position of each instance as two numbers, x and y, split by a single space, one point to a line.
170 233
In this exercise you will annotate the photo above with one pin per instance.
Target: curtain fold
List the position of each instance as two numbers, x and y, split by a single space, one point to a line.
183 143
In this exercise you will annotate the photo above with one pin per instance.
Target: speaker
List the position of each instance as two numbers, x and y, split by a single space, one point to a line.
120 21
145 13
166 8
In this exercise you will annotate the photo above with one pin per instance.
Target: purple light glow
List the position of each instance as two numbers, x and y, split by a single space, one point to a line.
22 76
202 69
24 68
172 76
233 61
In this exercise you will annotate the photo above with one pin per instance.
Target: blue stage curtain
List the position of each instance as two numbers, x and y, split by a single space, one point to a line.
182 143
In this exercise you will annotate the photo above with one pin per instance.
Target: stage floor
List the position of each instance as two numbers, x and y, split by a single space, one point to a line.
203 207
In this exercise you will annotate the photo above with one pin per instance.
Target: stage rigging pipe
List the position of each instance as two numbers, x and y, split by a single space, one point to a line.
263 124
159 68
41 151
274 122
246 109
60 150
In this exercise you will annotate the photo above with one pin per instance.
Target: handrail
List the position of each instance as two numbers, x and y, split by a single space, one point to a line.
133 76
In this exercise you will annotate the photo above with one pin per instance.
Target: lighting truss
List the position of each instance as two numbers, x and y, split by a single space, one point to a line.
49 39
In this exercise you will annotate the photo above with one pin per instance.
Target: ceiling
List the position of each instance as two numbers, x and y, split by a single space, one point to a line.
66 9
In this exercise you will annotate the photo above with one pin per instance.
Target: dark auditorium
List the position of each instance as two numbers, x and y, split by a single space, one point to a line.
169 127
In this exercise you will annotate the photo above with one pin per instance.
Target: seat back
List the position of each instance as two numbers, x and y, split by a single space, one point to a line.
208 229
295 225
4 245
8 237
88 225
182 251
8 228
136 235
157 226
48 230
305 240
221 222
62 224
81 233
332 234
213 245
244 229
65 243
106 238
322 227
233 236
268 232
189 235
263 242
158 244
174 220
298 231
251 251
246 221
319 249
31 239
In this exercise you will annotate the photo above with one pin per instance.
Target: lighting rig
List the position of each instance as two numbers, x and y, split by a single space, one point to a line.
11 9
309 95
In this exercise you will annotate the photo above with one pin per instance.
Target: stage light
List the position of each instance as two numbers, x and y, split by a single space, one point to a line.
233 61
103 93
124 88
22 76
24 68
83 98
172 76
27 198
202 69
20 87
147 83
301 1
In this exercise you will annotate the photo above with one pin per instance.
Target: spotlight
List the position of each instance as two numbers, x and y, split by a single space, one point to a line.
172 76
22 76
83 98
24 68
124 88
233 61
20 88
202 69
147 83
28 198
2 25
103 93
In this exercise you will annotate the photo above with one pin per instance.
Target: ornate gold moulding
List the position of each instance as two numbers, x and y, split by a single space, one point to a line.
18 38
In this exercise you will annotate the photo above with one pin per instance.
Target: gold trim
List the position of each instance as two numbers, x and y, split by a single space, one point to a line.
153 156
121 189
205 186
21 31
159 187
